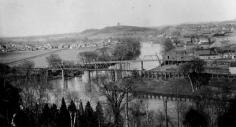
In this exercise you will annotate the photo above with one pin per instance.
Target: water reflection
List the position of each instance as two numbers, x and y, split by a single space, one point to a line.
82 90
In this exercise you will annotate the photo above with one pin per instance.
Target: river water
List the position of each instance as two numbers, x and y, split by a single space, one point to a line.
77 84
77 87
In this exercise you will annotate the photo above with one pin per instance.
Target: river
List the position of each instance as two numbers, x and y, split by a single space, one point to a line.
77 87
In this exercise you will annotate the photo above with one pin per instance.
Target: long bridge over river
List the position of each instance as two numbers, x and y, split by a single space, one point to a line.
149 74
94 69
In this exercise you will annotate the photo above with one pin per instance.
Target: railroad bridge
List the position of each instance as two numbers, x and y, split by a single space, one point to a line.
114 70
149 74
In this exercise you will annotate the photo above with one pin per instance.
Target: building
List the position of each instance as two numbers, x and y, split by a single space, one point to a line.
232 68
203 45
207 54
209 57
177 56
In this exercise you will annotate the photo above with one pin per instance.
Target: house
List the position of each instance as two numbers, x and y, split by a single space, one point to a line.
207 54
204 45
203 41
203 52
232 68
209 57
177 56
219 44
189 45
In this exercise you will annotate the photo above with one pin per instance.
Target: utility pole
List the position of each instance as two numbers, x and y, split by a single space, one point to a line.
142 65
165 107
63 78
178 106
96 67
89 78
126 107
159 60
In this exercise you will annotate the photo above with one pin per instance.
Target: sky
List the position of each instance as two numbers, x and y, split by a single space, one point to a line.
42 17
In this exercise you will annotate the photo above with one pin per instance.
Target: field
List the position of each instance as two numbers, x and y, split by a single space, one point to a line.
66 54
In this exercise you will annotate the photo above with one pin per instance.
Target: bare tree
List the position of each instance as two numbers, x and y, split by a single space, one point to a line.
54 60
194 70
117 94
27 64
88 56
137 112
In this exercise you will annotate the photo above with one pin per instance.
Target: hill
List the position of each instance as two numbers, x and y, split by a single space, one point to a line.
120 31
144 33
94 34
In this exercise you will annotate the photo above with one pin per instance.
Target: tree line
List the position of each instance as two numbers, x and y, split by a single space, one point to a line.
126 49
65 116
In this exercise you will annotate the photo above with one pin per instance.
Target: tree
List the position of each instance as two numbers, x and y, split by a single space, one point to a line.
195 118
4 69
64 115
72 110
80 119
104 54
128 49
89 115
116 93
54 115
21 119
54 60
46 116
167 45
194 71
88 56
27 64
196 65
68 64
99 115
137 111
228 119
10 101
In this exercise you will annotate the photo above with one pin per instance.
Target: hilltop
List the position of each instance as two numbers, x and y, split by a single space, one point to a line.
120 31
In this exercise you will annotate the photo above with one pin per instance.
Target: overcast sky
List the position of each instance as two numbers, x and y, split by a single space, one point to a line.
39 17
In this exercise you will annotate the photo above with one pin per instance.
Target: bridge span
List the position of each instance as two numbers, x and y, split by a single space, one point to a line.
149 74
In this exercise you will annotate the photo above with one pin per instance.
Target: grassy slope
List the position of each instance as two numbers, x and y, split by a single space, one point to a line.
162 86
182 85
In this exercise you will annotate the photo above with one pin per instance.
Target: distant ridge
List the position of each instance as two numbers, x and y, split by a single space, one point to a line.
111 31
106 32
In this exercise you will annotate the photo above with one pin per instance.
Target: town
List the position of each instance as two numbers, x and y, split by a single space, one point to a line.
109 63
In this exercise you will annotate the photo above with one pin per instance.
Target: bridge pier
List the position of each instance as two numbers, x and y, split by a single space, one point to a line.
86 79
165 108
63 78
96 72
117 75
113 76
119 72
142 65
46 75
89 81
